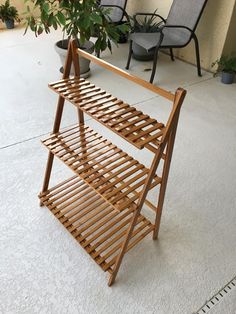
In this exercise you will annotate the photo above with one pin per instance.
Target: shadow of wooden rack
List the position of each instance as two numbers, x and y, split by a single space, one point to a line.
101 204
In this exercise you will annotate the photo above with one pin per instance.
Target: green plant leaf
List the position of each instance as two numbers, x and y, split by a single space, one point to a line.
109 45
85 23
78 18
61 17
96 18
54 24
40 30
51 19
46 7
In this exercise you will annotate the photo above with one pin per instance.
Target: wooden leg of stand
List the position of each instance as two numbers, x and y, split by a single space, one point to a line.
80 116
172 126
56 127
47 174
165 173
123 250
72 55
140 203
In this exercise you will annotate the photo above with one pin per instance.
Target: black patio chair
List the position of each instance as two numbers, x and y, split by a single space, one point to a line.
177 32
116 15
117 12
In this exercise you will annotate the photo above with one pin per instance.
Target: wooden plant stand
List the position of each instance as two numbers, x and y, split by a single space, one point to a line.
101 204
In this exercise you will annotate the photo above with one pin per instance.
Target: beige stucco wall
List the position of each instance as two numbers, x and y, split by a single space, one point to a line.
212 29
19 4
230 43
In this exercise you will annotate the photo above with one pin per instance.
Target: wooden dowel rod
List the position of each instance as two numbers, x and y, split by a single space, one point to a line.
128 76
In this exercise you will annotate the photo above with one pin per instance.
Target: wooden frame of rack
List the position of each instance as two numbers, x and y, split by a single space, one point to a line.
101 205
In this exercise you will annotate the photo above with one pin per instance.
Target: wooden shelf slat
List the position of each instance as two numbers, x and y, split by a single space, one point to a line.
129 123
97 226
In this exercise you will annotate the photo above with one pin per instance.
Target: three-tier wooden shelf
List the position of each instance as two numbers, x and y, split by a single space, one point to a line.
100 205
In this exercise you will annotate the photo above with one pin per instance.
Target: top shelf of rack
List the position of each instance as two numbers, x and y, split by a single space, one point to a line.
126 121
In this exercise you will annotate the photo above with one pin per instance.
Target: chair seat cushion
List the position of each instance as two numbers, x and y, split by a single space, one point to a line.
172 37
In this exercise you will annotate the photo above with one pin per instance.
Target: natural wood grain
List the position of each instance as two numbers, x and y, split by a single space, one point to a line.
116 115
100 164
97 227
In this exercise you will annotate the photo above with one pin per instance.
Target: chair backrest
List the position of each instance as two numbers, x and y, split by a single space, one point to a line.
116 15
186 13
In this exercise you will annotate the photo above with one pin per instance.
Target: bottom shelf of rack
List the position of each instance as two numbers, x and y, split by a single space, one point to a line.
98 227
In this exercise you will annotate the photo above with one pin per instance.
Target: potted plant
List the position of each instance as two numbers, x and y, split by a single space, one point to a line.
227 67
8 14
79 19
143 23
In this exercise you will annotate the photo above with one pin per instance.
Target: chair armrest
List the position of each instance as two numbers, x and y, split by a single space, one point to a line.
179 26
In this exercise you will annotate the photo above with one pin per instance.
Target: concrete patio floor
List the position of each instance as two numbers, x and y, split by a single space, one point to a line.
42 268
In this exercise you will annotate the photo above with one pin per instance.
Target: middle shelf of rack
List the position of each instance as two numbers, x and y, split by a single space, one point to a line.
117 177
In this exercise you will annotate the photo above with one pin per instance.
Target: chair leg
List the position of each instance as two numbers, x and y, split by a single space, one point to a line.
154 65
197 55
155 57
172 55
130 54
